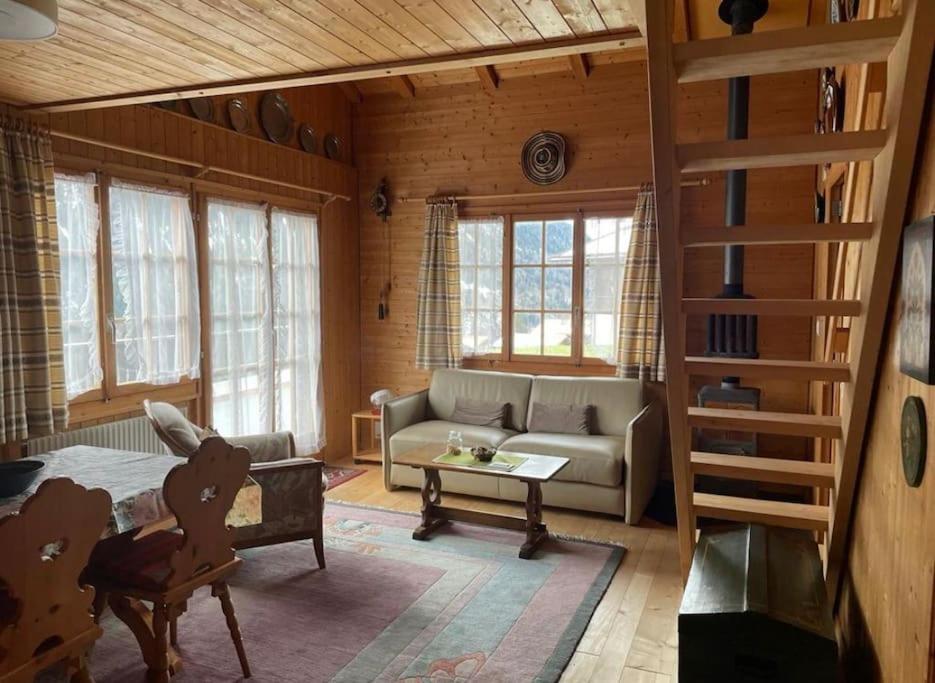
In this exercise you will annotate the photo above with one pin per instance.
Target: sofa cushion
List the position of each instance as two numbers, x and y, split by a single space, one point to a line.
502 387
560 419
482 413
616 401
594 459
436 431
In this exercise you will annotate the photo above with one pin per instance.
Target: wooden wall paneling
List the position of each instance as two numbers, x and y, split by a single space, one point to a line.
886 610
461 139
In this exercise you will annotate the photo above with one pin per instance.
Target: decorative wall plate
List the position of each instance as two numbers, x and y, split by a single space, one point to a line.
202 108
913 435
543 158
276 117
332 146
168 105
238 115
307 138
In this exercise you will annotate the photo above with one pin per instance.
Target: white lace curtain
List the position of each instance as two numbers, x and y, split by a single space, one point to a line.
265 323
156 317
78 227
241 320
297 328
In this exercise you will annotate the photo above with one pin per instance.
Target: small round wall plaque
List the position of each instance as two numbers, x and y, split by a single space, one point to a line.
913 437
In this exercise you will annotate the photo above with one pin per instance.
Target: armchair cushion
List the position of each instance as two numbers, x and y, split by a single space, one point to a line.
173 428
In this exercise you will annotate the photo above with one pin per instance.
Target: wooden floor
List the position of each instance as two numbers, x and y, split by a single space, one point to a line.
632 636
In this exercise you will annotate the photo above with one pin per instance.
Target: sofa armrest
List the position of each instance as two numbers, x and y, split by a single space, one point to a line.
644 443
266 447
398 414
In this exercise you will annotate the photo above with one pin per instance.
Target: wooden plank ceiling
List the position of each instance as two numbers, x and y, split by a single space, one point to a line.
109 47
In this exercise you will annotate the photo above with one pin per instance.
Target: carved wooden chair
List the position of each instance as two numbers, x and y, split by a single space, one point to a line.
166 567
45 612
293 487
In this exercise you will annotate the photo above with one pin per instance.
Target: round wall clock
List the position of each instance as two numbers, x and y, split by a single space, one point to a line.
913 436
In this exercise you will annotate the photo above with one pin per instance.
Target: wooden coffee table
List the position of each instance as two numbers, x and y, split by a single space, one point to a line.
536 470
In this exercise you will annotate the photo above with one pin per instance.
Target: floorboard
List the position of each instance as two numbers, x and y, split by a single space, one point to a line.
632 636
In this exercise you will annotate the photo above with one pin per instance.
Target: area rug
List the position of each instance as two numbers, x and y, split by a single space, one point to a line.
459 607
340 475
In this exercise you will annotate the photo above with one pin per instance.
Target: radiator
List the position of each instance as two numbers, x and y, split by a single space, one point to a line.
133 434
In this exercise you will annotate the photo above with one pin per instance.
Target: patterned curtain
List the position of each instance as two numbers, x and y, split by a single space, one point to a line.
640 348
32 371
438 313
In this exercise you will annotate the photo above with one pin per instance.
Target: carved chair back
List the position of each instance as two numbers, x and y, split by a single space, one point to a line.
200 492
45 547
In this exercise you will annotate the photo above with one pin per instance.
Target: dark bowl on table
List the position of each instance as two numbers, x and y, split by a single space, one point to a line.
483 454
17 476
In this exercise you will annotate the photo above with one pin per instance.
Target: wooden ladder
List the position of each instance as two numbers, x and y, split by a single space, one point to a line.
904 43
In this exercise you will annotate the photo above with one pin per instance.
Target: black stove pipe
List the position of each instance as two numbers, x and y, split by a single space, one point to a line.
735 336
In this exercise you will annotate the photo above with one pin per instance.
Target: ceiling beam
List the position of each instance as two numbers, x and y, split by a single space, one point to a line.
351 92
580 66
488 77
403 86
466 60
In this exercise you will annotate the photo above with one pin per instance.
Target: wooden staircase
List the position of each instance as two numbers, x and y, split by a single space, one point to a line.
904 43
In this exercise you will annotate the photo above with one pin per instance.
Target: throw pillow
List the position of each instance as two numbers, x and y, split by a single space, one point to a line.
482 413
560 418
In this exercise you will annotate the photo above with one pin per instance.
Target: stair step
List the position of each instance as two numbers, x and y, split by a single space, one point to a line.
795 370
777 234
795 49
791 150
775 513
773 470
790 307
762 421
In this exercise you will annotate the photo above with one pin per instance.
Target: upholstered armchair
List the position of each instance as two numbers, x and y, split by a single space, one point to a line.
293 488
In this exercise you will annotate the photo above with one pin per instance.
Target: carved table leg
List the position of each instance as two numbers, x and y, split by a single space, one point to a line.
431 496
536 532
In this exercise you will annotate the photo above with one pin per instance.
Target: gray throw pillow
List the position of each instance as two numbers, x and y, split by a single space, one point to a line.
483 413
556 418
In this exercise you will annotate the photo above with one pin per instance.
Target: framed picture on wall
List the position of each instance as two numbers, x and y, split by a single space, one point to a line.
916 351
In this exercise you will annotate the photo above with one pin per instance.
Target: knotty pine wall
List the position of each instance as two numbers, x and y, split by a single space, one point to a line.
887 605
461 139
178 135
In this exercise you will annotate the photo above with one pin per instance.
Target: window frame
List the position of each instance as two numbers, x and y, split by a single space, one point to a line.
504 283
577 359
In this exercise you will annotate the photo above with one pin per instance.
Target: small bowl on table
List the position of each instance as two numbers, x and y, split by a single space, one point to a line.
17 476
483 453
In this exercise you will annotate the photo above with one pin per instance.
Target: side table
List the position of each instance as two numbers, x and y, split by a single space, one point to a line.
374 454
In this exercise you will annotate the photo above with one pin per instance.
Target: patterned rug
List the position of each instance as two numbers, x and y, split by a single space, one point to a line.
339 475
459 607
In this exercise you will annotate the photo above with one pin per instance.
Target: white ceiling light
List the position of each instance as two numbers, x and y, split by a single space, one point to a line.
28 19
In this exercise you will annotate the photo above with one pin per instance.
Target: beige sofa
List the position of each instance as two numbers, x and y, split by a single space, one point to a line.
612 470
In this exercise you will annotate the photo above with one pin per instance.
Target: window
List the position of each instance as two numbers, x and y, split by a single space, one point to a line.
265 322
543 256
241 328
561 296
155 316
78 226
605 248
481 250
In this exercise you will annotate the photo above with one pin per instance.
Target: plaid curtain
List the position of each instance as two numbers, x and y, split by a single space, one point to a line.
438 312
32 371
640 349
